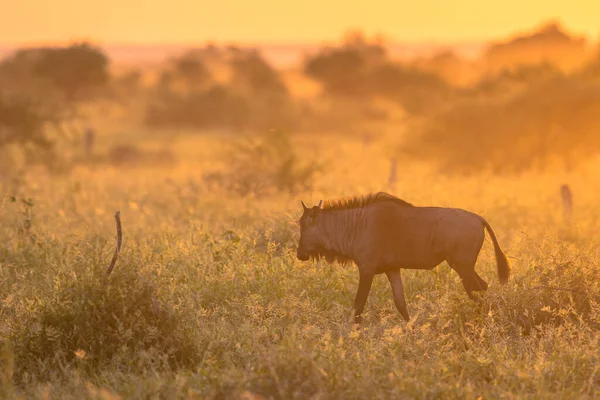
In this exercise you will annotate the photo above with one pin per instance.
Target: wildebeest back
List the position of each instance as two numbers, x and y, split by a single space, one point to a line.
413 237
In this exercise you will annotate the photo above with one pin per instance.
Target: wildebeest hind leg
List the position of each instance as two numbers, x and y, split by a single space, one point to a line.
482 284
395 279
364 286
468 277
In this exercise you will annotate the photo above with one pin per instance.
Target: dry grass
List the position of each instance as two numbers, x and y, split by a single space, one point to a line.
208 300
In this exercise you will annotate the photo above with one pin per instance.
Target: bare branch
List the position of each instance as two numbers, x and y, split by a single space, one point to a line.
119 241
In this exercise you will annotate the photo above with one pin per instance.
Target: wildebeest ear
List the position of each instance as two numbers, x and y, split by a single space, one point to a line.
303 205
320 204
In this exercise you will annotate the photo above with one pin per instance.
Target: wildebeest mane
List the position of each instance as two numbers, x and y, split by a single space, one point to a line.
347 203
330 256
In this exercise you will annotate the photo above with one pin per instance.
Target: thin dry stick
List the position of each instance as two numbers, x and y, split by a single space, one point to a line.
119 240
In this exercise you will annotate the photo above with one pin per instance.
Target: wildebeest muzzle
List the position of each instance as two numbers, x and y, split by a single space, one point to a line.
302 255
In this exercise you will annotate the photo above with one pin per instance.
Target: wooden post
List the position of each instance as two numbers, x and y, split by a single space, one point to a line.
88 141
567 201
392 175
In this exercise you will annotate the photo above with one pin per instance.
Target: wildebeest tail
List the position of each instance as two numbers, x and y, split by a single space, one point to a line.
501 260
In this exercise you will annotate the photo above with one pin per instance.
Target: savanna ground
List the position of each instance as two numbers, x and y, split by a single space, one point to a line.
208 299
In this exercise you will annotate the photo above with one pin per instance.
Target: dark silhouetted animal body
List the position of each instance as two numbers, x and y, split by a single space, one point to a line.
382 234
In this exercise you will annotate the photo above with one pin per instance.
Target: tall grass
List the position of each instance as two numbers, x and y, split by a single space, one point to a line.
208 300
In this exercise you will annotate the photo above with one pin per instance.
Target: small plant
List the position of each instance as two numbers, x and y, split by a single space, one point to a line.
26 210
257 164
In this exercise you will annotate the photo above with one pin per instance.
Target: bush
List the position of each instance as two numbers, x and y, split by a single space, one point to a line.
360 68
215 107
341 71
192 69
544 123
90 323
511 81
190 95
39 90
267 99
22 122
185 74
549 43
258 164
344 70
417 91
252 75
29 131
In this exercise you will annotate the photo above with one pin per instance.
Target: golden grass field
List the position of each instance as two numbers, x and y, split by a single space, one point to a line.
208 300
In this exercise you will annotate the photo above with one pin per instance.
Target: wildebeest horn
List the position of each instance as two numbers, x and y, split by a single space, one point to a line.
320 203
303 205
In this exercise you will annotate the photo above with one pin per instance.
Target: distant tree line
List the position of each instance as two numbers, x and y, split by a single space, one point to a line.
362 69
190 94
507 111
74 73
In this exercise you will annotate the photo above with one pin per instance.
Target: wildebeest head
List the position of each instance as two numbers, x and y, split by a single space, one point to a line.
310 236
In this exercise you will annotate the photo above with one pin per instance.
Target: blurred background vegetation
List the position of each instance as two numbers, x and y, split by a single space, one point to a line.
529 102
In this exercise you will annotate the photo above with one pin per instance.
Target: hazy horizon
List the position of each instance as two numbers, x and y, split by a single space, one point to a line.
288 52
151 21
280 53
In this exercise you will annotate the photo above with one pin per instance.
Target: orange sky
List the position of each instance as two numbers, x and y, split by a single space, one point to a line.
189 21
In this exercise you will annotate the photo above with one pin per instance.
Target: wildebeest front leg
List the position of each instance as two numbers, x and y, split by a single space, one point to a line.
364 286
395 279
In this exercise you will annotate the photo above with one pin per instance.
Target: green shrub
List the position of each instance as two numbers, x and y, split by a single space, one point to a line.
258 164
88 322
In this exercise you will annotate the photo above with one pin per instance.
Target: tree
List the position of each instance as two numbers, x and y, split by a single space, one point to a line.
343 70
193 92
74 72
268 100
552 122
21 122
26 128
360 68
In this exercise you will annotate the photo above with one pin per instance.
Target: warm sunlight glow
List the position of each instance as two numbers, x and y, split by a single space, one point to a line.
311 199
275 20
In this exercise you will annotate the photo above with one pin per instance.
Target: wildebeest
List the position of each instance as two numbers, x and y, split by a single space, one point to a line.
381 233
